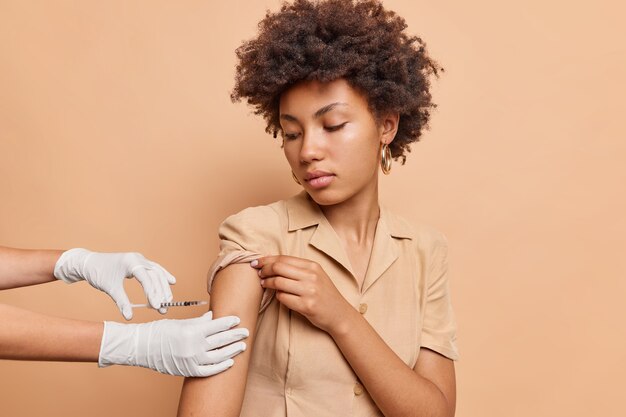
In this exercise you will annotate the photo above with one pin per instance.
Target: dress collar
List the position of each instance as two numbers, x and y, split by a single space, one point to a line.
303 212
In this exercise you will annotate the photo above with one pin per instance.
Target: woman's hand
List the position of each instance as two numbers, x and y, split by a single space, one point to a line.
302 285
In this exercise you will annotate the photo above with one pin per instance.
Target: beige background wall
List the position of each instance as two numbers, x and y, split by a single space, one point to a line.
117 134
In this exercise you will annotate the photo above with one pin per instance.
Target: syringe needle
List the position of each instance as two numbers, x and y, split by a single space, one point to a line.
173 304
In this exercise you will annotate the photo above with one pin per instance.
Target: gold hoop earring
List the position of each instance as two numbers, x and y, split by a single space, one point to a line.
385 159
295 178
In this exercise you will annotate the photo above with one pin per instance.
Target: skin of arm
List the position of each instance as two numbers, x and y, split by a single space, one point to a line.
236 291
428 390
22 267
26 335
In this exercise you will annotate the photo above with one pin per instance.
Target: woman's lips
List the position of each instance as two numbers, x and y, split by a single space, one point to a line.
321 182
319 179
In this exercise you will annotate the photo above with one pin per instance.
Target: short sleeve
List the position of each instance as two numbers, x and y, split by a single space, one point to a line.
439 324
245 236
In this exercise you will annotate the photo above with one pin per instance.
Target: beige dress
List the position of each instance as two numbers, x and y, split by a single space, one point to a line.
296 369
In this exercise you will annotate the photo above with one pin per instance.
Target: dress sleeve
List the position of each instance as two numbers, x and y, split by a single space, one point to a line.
245 236
439 324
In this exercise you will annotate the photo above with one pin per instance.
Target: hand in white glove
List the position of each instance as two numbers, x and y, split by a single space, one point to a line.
195 347
106 272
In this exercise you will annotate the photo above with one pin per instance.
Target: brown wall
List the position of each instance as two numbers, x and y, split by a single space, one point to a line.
117 133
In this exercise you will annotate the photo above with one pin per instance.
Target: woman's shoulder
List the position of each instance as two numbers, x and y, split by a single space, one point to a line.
266 220
262 213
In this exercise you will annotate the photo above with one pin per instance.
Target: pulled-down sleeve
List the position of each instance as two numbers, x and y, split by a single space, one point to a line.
244 237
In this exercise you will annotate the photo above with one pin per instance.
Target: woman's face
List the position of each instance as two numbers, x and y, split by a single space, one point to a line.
332 140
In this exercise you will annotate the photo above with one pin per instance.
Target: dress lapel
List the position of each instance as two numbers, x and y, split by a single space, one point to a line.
303 213
384 253
326 240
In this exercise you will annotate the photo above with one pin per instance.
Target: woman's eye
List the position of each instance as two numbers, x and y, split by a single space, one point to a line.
335 127
291 136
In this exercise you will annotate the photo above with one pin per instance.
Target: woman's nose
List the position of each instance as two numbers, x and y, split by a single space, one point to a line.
312 148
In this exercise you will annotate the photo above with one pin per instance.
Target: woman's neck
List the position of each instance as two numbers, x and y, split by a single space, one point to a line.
355 219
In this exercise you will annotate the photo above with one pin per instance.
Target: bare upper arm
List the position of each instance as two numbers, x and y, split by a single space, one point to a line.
236 291
440 371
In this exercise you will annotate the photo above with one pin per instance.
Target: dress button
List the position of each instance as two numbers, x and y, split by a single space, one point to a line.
362 308
358 389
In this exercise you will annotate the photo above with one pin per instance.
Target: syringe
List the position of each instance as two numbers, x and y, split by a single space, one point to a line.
174 304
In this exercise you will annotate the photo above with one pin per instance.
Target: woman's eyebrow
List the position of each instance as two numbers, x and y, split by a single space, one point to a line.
317 114
327 108
288 117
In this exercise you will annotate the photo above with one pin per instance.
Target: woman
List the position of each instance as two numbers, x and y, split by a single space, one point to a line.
355 316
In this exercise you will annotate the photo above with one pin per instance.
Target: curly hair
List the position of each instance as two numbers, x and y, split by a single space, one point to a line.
358 41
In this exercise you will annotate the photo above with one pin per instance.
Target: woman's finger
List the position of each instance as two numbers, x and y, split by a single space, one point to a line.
283 284
291 260
291 301
283 269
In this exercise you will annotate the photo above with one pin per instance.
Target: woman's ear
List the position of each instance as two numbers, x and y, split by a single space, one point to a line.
389 127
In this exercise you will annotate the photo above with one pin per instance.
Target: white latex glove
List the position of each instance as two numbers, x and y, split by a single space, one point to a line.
191 347
107 271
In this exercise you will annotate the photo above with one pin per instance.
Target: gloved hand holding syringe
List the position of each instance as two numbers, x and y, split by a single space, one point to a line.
198 346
